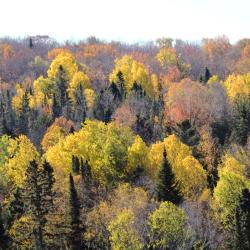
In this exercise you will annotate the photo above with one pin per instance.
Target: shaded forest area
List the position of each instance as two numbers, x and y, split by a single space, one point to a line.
106 145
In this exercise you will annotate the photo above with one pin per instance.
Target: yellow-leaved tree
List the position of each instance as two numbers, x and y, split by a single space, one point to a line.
229 189
132 71
238 85
20 153
104 146
65 60
188 171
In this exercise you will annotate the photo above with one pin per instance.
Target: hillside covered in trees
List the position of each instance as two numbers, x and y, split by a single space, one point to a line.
106 145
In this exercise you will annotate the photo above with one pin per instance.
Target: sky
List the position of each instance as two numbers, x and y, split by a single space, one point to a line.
125 20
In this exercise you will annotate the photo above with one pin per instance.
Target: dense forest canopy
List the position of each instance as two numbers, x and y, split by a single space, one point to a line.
107 145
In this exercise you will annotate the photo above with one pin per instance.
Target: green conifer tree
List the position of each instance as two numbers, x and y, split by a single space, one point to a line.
167 188
38 198
75 165
242 222
16 207
74 236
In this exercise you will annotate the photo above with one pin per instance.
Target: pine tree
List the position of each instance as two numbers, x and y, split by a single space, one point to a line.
30 43
242 221
62 84
121 85
56 109
86 174
38 197
24 115
3 237
15 208
205 75
3 123
241 119
80 108
187 133
75 165
103 107
86 185
137 89
115 92
9 114
74 237
167 188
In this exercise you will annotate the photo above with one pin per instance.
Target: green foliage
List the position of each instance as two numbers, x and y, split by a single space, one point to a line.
167 225
104 146
3 236
187 133
242 219
75 164
123 235
15 207
38 197
167 188
228 190
241 119
74 234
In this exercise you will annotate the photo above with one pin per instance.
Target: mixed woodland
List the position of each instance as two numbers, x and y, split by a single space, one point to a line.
108 145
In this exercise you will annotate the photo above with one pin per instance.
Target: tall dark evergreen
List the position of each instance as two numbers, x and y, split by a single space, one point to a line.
3 122
62 85
241 119
137 90
16 207
24 115
9 113
86 174
167 188
3 236
87 194
56 108
103 106
30 43
38 198
121 85
115 92
187 133
242 221
74 236
205 75
75 164
80 107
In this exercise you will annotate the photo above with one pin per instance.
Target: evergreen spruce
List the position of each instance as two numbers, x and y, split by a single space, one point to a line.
103 107
205 75
38 198
24 115
115 92
62 84
74 237
80 107
187 133
242 221
121 85
241 119
86 174
3 237
15 208
167 188
137 89
30 43
75 165
56 109
3 123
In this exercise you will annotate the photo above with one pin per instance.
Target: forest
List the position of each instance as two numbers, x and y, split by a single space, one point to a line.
108 145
